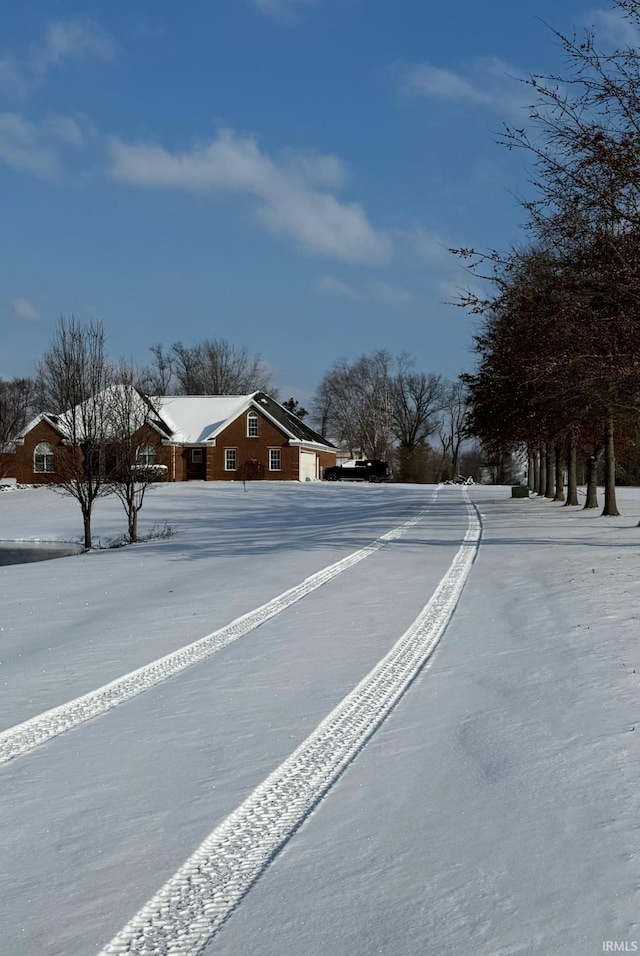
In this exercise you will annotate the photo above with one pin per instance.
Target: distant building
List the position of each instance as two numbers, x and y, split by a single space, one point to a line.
193 437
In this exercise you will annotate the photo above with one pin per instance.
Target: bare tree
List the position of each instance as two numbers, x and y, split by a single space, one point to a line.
354 404
322 407
132 445
417 398
372 392
453 424
378 405
75 376
155 379
216 367
332 406
17 403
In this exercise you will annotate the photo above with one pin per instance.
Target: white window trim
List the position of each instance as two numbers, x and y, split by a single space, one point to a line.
146 455
235 459
195 451
47 459
253 417
278 452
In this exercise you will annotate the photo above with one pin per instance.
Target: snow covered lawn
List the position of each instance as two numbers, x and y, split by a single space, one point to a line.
327 793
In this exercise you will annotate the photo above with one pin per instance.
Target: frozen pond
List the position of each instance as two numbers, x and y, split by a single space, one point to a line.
24 552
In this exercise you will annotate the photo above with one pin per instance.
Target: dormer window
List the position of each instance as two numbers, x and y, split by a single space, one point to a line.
253 430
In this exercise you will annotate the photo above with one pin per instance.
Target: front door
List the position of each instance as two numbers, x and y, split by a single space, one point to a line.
196 464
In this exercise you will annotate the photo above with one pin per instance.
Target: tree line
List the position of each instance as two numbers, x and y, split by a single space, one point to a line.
377 406
558 343
380 407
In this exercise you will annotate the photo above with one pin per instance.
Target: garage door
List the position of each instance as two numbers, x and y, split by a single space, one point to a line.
308 467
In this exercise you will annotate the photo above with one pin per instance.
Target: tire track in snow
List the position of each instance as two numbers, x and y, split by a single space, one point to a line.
182 918
26 736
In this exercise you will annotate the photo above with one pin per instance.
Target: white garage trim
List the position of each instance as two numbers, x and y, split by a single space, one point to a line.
308 466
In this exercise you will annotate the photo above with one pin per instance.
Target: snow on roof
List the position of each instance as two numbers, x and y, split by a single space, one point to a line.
187 419
104 412
195 418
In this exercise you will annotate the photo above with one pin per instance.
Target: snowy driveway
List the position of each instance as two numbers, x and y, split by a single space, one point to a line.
443 835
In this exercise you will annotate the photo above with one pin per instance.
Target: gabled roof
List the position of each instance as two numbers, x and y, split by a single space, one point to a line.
48 417
191 419
293 426
201 418
196 419
124 401
109 411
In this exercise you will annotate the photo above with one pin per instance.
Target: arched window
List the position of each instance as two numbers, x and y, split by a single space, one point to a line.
43 459
146 456
253 430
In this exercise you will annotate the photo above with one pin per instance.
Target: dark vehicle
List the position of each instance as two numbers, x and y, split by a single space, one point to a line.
369 470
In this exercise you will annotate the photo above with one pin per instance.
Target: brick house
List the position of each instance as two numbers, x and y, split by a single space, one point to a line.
205 437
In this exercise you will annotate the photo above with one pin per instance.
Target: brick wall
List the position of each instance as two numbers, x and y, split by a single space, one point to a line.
20 464
149 436
326 460
178 460
235 436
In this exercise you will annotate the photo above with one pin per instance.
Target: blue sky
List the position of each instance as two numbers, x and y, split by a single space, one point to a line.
287 174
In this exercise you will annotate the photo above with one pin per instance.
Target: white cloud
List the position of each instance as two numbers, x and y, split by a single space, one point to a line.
488 82
289 200
12 82
426 80
337 289
24 309
73 39
375 293
385 293
445 272
316 169
282 8
37 148
64 40
64 129
23 147
613 29
428 246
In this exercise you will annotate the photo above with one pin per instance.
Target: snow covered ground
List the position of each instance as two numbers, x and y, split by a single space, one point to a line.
297 780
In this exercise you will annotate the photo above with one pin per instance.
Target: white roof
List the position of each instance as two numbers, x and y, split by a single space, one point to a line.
189 419
106 411
196 418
